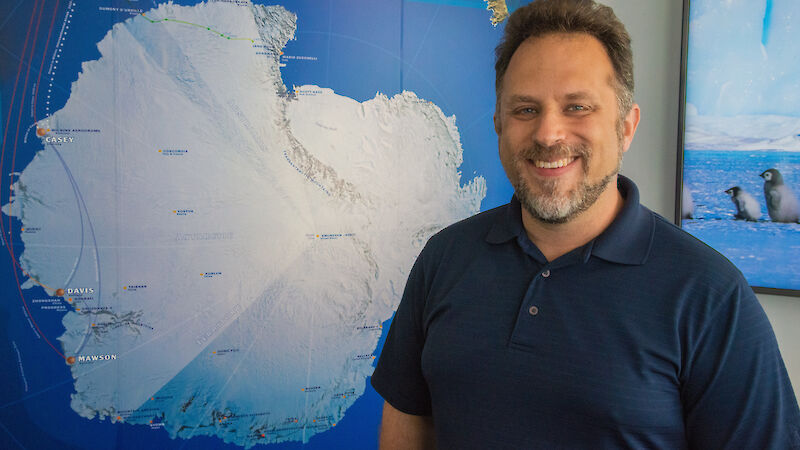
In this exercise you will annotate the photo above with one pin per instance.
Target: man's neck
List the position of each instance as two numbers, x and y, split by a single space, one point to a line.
554 240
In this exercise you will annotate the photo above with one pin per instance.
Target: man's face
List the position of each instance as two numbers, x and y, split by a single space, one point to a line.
560 136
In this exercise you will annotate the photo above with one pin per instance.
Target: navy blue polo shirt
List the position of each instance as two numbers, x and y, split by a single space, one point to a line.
644 337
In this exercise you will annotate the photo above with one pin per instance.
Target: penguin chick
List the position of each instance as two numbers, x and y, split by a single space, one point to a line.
747 207
782 204
687 204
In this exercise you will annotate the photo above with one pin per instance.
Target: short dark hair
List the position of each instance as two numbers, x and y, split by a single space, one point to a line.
570 16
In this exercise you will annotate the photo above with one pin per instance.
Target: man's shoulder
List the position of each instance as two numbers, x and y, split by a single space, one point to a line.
685 253
473 227
466 238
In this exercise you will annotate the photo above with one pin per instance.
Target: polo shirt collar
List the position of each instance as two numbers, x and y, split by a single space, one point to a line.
626 241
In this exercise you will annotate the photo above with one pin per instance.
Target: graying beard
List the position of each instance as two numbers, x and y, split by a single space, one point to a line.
589 196
591 192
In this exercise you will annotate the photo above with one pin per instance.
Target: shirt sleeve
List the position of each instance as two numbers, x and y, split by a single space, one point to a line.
736 391
398 375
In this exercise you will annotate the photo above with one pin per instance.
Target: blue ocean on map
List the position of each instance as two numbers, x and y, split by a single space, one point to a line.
766 252
440 43
445 50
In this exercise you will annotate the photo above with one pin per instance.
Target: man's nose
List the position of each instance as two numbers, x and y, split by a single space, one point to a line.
549 128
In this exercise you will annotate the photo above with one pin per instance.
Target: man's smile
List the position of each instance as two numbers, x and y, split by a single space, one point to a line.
552 168
554 164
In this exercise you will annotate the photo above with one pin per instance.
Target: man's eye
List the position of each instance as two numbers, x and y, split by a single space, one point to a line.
526 110
578 108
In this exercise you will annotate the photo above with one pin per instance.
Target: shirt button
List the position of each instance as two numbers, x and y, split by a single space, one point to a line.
546 273
533 310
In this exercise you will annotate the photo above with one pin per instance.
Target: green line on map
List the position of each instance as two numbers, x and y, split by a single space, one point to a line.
198 26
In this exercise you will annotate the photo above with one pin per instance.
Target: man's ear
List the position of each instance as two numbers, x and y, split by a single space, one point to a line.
629 125
497 124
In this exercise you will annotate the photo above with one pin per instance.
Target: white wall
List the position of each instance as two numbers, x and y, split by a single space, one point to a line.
655 27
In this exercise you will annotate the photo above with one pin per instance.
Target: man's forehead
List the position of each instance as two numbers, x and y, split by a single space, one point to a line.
580 44
564 56
567 96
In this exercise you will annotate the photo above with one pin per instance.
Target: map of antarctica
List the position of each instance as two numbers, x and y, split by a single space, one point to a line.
205 244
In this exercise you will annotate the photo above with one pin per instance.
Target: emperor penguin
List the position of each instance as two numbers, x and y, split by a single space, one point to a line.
747 207
782 204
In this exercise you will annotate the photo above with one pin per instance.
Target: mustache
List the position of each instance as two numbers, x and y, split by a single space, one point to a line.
555 151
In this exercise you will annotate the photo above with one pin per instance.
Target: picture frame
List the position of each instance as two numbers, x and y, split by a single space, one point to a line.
738 171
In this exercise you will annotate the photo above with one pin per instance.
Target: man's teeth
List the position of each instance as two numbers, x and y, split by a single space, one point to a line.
553 164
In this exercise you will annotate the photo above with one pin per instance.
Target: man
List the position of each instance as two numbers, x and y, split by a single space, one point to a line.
573 317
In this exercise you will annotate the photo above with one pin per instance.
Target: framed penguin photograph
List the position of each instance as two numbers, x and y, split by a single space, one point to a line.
739 138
